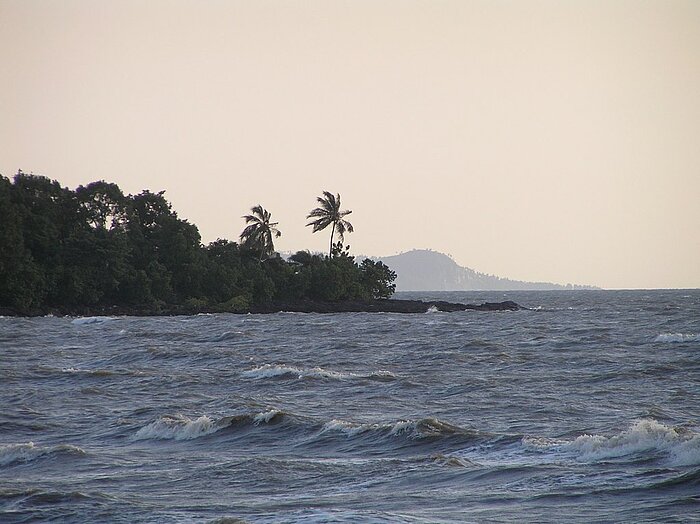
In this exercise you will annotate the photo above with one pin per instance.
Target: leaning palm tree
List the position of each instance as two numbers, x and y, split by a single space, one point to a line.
259 232
330 213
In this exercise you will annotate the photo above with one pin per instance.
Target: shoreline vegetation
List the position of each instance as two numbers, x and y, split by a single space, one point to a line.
95 251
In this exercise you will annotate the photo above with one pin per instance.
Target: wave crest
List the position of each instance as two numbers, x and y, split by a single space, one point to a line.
647 436
28 451
180 427
414 429
177 427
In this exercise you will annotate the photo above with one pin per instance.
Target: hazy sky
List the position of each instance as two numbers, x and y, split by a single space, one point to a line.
538 140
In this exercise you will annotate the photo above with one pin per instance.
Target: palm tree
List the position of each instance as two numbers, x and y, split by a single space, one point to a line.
259 232
330 213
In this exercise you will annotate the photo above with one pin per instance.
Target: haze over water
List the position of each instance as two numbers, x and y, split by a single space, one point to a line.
583 408
536 140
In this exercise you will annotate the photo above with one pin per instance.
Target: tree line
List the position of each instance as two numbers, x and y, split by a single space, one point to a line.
95 248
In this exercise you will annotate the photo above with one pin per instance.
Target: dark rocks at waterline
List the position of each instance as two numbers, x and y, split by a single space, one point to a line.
382 306
303 306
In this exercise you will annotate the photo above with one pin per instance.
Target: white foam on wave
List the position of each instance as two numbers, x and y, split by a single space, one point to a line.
681 447
413 429
28 451
265 416
405 427
349 429
272 370
677 337
81 321
433 309
177 427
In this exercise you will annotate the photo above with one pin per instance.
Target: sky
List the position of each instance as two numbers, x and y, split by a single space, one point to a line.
532 139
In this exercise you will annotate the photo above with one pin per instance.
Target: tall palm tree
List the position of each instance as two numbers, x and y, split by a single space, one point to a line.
259 232
330 213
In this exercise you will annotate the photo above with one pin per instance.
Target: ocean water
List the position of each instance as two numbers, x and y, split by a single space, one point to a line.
585 408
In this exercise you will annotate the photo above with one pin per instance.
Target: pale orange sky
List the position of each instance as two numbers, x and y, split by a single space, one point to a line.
537 140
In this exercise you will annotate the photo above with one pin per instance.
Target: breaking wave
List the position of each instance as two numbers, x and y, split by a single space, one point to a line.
180 427
413 429
27 452
677 337
310 431
273 371
646 437
177 427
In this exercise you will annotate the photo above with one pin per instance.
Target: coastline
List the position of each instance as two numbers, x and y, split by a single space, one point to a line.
302 306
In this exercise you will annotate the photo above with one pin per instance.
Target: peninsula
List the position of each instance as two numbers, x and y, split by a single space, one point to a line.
96 251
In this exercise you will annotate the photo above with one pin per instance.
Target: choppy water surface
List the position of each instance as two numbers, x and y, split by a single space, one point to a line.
586 408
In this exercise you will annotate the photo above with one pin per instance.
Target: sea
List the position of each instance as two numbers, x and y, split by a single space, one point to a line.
584 407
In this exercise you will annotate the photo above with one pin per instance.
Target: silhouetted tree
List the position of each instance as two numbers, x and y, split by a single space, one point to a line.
259 232
330 214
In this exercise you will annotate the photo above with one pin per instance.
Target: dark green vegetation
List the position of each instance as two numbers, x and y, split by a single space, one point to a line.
95 250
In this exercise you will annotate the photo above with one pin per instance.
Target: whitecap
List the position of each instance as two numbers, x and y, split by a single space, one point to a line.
677 337
403 427
265 416
177 427
28 451
349 429
270 371
433 309
680 447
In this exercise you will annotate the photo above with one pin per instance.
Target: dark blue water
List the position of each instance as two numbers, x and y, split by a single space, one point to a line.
584 409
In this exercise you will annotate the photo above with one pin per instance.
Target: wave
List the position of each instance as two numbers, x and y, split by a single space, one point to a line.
180 427
177 427
222 337
413 429
273 371
95 372
646 437
677 337
81 321
27 452
308 431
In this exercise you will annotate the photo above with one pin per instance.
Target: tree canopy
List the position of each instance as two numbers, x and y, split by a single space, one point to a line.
95 248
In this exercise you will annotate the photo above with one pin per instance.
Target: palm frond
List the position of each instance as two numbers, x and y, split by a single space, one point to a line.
260 231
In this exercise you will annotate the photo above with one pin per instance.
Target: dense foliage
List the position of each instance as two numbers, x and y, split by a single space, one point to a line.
95 248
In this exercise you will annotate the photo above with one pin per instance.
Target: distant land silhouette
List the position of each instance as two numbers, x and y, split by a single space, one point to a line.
427 270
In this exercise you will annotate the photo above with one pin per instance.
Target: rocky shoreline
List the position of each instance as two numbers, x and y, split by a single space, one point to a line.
303 306
382 306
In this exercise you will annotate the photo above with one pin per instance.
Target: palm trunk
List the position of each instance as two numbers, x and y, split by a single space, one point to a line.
330 250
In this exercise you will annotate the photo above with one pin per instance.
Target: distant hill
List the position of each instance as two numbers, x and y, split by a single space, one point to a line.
426 270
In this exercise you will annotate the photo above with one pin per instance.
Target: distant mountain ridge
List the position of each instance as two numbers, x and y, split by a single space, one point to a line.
427 270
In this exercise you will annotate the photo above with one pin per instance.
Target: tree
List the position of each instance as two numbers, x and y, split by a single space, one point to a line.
103 205
259 232
330 213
